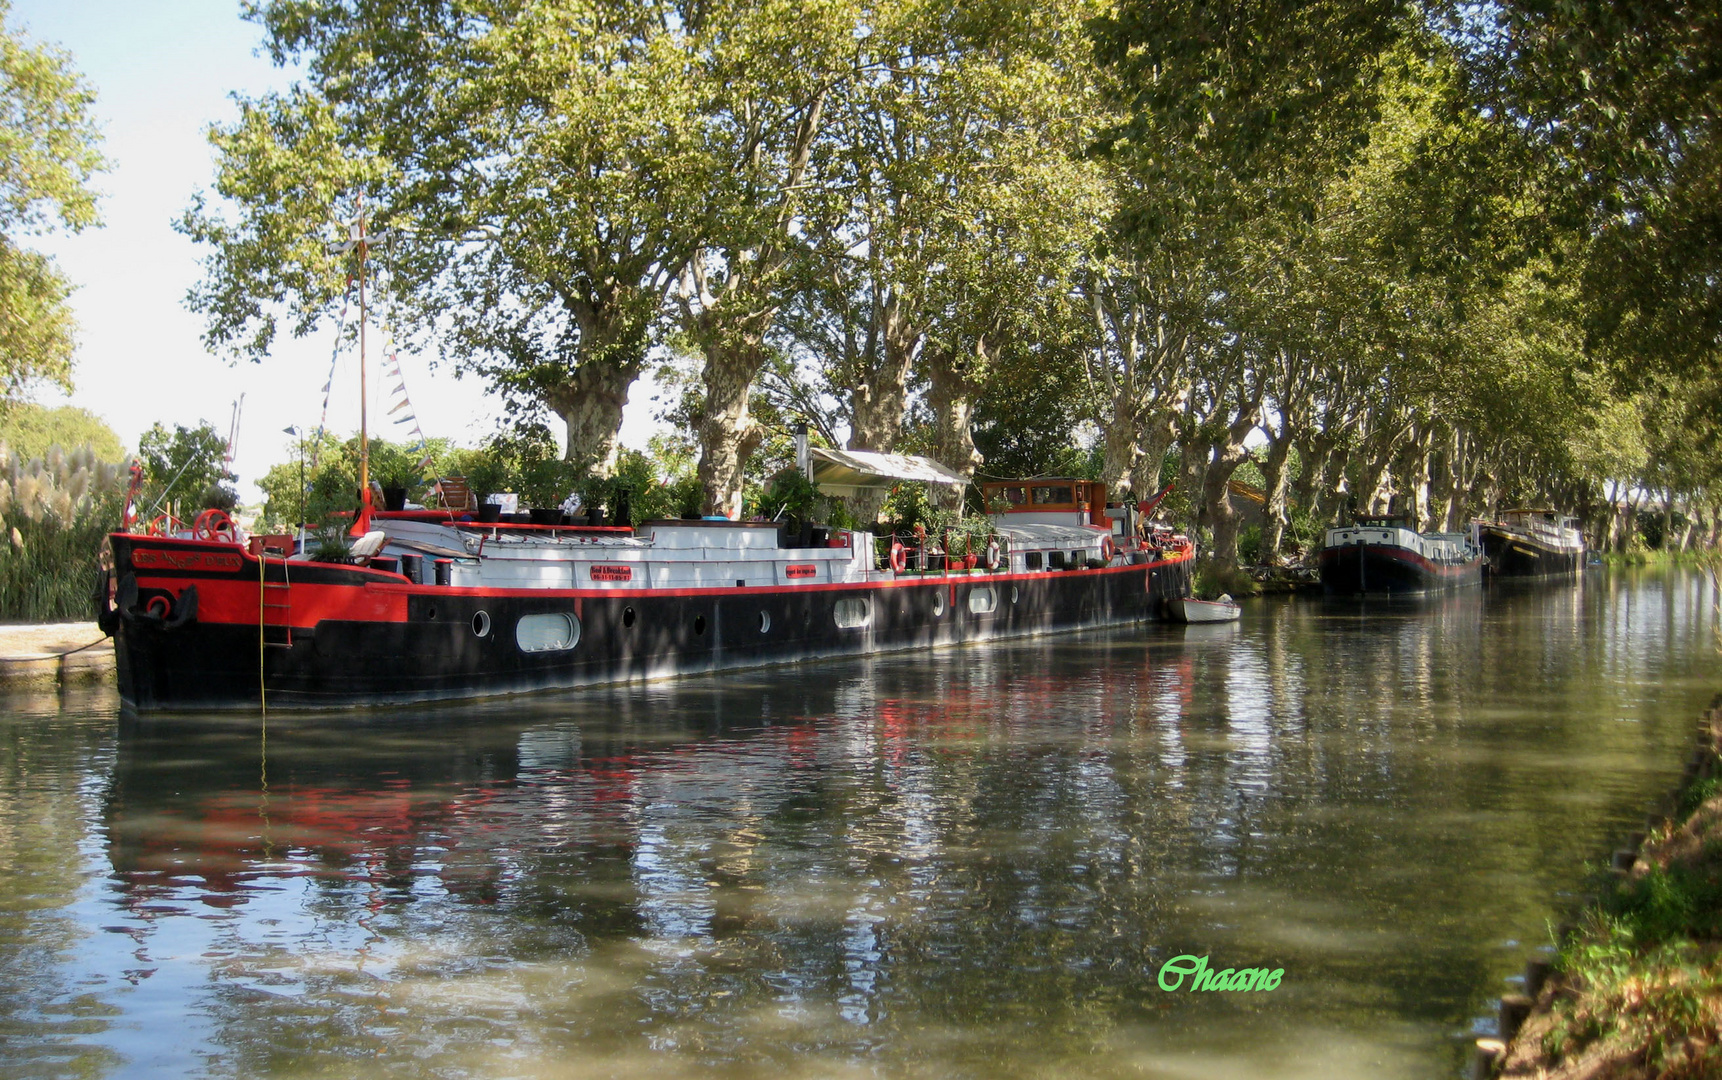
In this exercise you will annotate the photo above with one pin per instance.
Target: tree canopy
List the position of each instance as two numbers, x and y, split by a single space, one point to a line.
1366 253
48 155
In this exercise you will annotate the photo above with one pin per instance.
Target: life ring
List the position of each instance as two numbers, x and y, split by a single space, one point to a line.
213 525
899 557
1107 550
159 606
993 554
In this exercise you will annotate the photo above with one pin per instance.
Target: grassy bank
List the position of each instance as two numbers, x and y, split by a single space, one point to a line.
1637 990
1657 557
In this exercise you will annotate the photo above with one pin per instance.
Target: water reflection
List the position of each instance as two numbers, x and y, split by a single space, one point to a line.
962 863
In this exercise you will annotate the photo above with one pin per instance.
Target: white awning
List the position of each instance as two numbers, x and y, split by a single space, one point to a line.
849 472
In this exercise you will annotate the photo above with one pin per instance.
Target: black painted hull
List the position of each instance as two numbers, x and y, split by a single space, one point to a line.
428 647
1512 554
1364 569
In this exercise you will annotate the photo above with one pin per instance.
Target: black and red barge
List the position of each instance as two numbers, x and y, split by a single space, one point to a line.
431 606
1385 556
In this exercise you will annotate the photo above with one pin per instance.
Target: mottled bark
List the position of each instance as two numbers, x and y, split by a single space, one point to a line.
1157 435
727 433
880 395
590 405
1222 519
1274 508
1218 514
951 396
1332 491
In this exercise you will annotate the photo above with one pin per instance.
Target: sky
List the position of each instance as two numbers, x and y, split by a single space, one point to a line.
163 71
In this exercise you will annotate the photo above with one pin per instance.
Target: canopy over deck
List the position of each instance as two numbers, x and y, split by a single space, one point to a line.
850 472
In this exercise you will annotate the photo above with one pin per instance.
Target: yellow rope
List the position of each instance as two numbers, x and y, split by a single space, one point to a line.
262 689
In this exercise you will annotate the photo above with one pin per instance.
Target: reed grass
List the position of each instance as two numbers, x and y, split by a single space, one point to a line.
55 511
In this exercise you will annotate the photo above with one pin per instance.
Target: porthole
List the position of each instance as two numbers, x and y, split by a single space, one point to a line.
983 600
547 633
765 622
1013 594
627 616
699 624
430 612
851 613
481 624
938 603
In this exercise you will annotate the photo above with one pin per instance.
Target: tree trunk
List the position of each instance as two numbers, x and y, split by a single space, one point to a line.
1274 509
1123 449
952 399
590 405
1333 491
727 433
1158 431
1218 513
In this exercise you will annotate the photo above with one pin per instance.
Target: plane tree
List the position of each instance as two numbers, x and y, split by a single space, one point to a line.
533 177
49 152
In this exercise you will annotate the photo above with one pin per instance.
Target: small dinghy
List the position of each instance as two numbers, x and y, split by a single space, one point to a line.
1225 609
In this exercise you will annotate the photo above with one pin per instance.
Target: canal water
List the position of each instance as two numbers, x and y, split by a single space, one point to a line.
965 863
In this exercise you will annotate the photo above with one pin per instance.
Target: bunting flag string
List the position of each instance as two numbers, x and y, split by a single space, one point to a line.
392 368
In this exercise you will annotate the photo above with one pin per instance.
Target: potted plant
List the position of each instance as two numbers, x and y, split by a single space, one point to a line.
395 471
545 484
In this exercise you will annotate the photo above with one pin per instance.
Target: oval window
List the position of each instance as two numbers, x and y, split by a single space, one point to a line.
938 603
547 633
850 613
982 601
481 624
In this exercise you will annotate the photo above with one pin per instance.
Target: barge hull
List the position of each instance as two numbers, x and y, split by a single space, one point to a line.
376 638
1365 569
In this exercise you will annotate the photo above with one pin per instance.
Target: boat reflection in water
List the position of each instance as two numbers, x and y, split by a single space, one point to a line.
963 863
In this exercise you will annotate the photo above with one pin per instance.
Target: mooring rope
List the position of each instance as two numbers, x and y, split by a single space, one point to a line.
51 656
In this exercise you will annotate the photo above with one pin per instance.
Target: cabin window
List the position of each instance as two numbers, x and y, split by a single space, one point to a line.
983 601
1077 558
1033 560
1055 559
1044 496
547 633
851 613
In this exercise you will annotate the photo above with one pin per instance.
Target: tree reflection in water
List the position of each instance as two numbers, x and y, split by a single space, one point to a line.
969 862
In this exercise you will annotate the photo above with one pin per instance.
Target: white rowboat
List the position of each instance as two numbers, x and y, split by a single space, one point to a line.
1225 609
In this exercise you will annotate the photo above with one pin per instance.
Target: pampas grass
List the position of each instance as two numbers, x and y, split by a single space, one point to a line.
55 512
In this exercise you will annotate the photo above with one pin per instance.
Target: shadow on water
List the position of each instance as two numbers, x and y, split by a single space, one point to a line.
969 863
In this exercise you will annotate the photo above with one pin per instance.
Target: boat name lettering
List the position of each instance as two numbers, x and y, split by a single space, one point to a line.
156 559
611 572
801 570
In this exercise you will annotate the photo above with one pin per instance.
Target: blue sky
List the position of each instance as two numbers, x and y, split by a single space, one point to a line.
163 71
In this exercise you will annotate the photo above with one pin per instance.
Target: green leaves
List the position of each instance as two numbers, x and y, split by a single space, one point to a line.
48 155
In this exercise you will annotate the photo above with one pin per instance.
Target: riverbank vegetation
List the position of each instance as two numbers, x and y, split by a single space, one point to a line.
1638 990
55 510
1427 255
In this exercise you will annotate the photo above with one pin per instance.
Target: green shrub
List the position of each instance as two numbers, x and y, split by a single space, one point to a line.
56 511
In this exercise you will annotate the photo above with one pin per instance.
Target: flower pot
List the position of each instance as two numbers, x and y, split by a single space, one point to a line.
394 498
971 561
490 513
545 515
